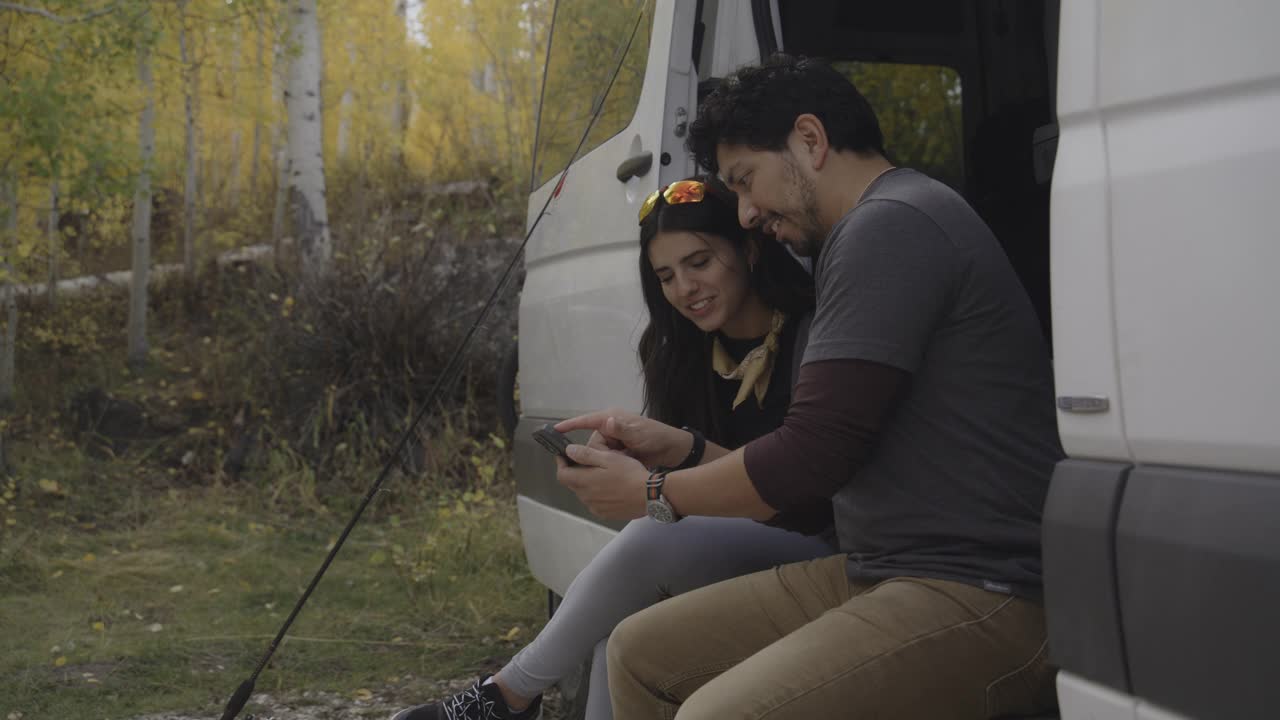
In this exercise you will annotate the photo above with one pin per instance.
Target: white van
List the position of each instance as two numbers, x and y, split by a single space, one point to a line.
1140 136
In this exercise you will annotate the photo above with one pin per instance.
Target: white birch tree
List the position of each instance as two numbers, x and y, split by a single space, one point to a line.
55 244
233 173
191 89
345 110
141 231
8 303
306 142
279 149
255 155
400 94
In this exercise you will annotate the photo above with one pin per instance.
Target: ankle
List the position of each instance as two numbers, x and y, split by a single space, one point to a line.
515 702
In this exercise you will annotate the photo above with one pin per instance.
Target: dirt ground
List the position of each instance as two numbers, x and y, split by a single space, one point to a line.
311 705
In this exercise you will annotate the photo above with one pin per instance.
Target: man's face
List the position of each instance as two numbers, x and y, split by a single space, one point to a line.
775 194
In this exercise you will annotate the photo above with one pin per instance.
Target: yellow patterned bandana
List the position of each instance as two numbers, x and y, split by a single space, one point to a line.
755 369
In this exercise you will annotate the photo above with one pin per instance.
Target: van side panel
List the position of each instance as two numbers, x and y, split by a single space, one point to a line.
1082 602
1080 256
580 319
1165 184
1190 94
1198 554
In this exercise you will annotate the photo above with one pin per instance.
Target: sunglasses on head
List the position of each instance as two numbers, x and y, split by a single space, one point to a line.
677 193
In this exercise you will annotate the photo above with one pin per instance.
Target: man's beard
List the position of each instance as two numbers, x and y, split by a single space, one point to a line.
806 220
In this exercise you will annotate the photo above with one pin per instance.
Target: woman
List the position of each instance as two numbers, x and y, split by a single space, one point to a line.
727 312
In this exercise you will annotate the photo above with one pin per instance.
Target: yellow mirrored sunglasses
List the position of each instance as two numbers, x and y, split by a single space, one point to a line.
677 193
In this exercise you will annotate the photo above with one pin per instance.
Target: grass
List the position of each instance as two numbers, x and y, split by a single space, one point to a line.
172 610
140 572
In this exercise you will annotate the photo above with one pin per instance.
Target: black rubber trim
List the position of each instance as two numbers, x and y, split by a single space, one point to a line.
762 16
1081 594
1199 558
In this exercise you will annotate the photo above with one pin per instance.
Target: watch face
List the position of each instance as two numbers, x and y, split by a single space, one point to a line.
660 511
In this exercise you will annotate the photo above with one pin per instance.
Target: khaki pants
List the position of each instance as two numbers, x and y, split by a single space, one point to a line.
802 641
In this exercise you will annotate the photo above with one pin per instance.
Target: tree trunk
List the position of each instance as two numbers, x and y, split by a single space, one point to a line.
535 82
8 304
400 99
344 110
191 89
282 200
233 173
141 234
55 247
279 150
306 142
255 156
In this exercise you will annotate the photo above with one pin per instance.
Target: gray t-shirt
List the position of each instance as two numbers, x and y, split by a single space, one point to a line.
954 489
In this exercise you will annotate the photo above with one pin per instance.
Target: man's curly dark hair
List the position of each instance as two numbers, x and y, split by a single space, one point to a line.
757 107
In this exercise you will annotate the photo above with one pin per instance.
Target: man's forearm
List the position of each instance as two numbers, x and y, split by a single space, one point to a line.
718 488
714 452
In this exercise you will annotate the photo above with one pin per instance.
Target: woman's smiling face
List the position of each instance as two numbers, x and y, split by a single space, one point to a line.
706 281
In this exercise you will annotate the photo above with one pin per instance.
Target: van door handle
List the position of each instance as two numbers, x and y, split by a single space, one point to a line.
1084 403
635 166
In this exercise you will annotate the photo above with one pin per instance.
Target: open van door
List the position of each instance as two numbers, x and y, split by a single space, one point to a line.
581 311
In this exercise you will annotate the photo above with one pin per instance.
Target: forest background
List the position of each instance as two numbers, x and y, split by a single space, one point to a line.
314 197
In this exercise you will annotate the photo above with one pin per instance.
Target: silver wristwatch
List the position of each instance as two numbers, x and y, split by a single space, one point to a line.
655 503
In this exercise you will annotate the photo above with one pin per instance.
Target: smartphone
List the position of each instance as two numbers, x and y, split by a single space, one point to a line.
553 440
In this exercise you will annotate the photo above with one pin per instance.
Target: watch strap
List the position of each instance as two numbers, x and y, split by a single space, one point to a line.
653 486
655 499
695 452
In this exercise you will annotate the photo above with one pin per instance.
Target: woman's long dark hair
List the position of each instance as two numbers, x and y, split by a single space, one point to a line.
675 355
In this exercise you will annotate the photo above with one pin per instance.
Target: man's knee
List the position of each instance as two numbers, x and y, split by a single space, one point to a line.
627 644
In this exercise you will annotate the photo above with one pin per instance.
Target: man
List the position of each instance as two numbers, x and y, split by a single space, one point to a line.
923 408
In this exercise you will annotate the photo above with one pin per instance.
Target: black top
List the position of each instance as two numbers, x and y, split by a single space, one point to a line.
749 421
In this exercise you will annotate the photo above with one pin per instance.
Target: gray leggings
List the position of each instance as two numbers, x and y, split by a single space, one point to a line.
645 563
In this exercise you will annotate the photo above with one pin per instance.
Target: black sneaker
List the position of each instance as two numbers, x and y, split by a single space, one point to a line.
478 702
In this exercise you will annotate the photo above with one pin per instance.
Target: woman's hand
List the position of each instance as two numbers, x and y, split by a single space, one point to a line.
645 439
608 482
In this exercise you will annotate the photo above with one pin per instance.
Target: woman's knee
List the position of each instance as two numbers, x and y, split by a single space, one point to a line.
637 541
